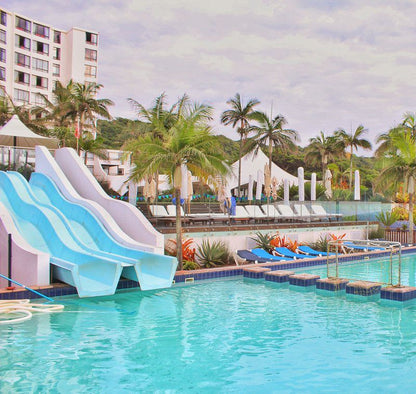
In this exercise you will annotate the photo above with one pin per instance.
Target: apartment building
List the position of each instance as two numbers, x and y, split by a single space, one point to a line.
34 55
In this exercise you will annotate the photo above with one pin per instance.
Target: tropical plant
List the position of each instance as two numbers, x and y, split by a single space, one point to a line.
377 233
90 145
212 254
399 167
322 149
353 141
263 241
189 142
239 115
190 265
387 218
270 132
188 249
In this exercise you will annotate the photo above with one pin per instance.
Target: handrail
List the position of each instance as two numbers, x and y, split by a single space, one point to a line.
27 288
388 245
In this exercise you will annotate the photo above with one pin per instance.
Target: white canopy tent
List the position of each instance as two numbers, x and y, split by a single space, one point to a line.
252 163
15 133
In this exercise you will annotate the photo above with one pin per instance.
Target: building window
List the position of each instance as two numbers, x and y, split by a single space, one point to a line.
57 53
56 37
23 24
41 30
38 99
56 70
21 77
90 54
2 74
22 60
41 47
90 71
40 82
21 95
2 36
91 38
41 65
3 18
2 55
22 42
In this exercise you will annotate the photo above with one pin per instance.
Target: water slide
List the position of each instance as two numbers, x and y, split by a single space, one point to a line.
46 164
44 230
128 217
151 270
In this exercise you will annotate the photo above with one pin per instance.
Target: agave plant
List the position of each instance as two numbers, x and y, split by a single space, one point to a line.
263 241
387 218
212 254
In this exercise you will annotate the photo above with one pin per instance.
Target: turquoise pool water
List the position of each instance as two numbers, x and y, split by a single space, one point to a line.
220 336
375 270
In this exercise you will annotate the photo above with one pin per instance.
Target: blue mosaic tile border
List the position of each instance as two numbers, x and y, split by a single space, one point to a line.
397 296
331 286
362 291
304 282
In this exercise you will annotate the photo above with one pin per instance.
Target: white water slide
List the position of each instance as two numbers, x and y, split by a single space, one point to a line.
124 221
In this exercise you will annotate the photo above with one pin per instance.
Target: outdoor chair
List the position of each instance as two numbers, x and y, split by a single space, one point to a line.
257 214
285 252
303 211
287 211
320 210
158 211
270 257
312 252
273 212
240 214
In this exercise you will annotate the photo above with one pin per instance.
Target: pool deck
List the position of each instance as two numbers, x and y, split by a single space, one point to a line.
258 270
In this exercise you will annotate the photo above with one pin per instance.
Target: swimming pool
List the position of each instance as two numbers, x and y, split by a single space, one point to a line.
230 336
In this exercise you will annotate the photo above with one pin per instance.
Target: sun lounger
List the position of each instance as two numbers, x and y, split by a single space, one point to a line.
263 254
365 248
257 214
273 212
250 257
285 252
287 211
312 252
158 211
320 210
303 211
240 214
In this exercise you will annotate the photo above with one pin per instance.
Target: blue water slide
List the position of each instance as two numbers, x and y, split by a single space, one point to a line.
45 231
152 271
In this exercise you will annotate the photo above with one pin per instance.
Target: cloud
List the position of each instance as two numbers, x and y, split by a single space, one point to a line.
322 64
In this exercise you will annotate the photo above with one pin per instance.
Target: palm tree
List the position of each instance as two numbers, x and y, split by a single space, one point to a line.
86 107
408 125
322 149
6 109
271 132
188 142
239 114
399 168
90 145
353 141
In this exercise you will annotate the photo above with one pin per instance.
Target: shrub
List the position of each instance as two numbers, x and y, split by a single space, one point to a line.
263 241
376 234
388 218
188 253
321 244
212 254
190 265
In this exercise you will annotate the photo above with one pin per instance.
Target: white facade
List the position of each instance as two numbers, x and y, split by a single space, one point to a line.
34 55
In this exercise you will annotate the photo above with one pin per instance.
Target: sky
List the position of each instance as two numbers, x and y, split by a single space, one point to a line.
322 64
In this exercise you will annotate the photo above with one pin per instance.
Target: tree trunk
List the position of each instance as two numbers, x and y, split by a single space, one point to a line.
239 167
270 156
178 228
351 169
410 240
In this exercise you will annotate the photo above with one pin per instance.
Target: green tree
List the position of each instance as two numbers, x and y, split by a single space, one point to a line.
270 132
400 168
189 142
239 115
323 149
90 145
353 141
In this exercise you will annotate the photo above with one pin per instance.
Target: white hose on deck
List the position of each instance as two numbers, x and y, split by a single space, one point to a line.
10 308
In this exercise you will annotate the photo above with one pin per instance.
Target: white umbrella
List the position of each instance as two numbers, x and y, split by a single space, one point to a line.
16 133
274 188
259 184
357 194
250 188
313 186
184 181
267 182
328 183
286 191
301 181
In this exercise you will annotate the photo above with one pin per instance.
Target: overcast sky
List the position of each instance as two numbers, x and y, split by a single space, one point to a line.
323 64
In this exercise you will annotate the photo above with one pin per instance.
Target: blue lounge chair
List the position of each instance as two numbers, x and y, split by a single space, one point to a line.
251 257
285 252
263 254
312 252
351 245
